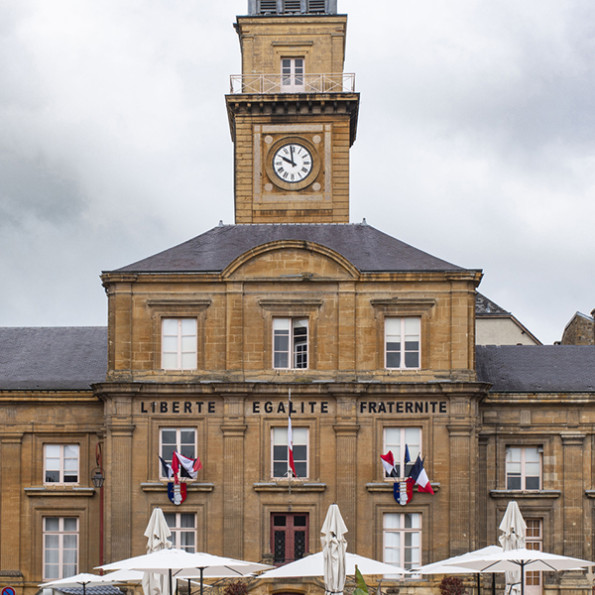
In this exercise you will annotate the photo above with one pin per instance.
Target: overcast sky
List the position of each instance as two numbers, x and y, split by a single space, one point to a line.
476 142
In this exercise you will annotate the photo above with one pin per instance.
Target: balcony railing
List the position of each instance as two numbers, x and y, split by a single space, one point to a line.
302 83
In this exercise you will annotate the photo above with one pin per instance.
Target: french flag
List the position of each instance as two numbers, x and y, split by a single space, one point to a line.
290 447
420 477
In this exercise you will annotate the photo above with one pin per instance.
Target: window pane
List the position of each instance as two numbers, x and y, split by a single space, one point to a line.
52 476
411 360
513 482
393 360
51 523
170 326
70 524
532 483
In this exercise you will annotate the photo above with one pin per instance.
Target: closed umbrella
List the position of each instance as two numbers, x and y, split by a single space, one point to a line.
334 546
157 534
514 531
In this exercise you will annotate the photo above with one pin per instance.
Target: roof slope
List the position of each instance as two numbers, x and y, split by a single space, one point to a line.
367 248
52 358
537 368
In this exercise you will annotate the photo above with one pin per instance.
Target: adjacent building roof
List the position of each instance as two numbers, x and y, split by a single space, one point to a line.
537 368
367 248
52 358
73 358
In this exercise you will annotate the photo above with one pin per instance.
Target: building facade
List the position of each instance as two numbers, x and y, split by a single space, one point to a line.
367 343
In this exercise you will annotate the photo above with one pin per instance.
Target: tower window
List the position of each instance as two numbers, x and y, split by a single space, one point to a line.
292 74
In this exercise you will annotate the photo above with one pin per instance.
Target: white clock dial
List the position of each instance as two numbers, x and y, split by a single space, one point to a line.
292 163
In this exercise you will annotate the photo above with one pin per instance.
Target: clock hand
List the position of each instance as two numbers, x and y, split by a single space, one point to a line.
287 160
291 151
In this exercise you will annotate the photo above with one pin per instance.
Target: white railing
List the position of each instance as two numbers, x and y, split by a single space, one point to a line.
302 83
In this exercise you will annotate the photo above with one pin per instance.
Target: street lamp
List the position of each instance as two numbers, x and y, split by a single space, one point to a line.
98 478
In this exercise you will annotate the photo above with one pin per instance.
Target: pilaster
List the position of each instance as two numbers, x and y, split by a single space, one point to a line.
233 429
572 493
346 430
10 498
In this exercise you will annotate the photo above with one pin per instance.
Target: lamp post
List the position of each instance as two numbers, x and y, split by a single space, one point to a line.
98 479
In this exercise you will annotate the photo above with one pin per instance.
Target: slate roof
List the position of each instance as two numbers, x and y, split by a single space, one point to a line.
486 307
52 358
537 368
367 248
73 358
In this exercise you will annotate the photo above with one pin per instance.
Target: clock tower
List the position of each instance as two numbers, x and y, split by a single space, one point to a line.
292 114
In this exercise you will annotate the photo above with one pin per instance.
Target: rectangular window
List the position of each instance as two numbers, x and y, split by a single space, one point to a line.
280 453
292 74
402 343
178 344
182 440
290 343
61 463
395 440
533 541
523 468
60 547
183 530
289 536
402 539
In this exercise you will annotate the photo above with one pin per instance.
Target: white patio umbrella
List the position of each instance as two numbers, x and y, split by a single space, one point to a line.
334 546
514 531
157 534
84 579
313 565
448 566
525 560
178 563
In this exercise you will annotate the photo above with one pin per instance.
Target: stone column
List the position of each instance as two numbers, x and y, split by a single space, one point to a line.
233 429
572 494
10 500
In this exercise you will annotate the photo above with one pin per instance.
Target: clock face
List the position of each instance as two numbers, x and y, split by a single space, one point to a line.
292 163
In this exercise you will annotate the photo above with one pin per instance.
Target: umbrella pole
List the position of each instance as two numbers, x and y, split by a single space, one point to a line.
478 581
189 587
201 573
493 583
522 578
170 585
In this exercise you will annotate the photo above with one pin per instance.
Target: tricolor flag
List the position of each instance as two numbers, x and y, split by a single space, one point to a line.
290 447
419 475
388 462
185 466
167 470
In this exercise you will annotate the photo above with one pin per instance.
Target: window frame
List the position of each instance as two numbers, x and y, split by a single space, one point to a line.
179 445
402 531
402 335
177 530
280 430
61 534
291 72
400 457
292 352
522 462
61 459
180 352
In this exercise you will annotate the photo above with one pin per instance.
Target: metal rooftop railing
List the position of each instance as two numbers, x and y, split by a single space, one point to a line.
304 83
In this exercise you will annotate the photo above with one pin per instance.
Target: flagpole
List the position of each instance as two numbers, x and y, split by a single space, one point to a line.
289 438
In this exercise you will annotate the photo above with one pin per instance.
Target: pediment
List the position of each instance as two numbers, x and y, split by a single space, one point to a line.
291 260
